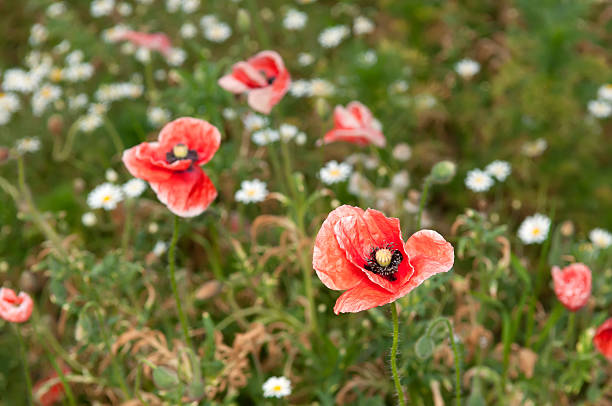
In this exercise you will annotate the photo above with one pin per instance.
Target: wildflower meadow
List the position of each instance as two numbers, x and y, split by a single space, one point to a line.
306 202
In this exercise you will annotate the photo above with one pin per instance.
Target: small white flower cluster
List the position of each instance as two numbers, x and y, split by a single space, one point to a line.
100 8
535 148
313 87
158 116
27 144
251 191
467 68
334 172
331 37
362 25
21 81
602 106
43 97
295 20
56 9
38 34
286 132
534 229
480 181
276 387
186 6
116 91
600 238
107 195
215 30
9 103
253 122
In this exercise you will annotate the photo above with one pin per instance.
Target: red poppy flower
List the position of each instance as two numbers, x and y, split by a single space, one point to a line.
15 308
172 165
155 42
572 285
363 253
603 339
264 77
53 393
355 124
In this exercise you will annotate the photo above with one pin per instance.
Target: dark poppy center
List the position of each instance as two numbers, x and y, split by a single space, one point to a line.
180 152
270 79
384 261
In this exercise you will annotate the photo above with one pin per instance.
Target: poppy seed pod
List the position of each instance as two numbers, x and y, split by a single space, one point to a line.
443 172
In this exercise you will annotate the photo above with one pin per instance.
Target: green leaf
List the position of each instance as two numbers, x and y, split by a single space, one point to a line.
165 378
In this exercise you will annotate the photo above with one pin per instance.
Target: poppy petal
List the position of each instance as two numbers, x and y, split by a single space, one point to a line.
344 119
358 235
360 112
329 260
429 254
572 285
144 161
196 134
364 296
603 339
186 194
15 308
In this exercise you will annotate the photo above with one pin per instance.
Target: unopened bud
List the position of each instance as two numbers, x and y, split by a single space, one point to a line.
243 20
443 172
55 124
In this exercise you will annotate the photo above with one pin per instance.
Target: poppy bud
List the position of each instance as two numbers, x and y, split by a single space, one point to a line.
443 172
243 20
4 154
55 124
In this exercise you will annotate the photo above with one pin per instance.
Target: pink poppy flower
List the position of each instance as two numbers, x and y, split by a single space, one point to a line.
355 124
572 285
603 339
263 77
172 165
15 308
362 252
155 42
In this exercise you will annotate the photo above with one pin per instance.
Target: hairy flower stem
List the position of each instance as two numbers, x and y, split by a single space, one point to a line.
24 363
426 186
451 336
396 379
172 266
569 332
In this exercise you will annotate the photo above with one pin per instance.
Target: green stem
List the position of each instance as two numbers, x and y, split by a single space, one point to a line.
259 27
114 135
172 266
451 336
151 90
24 362
426 186
59 153
569 333
116 369
396 379
127 226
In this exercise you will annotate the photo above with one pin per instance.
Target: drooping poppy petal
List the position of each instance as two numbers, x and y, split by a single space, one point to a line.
329 261
15 308
156 41
603 339
355 124
363 252
53 393
572 285
171 165
264 77
186 194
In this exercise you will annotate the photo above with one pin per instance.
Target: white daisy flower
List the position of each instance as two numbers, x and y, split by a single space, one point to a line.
78 72
43 97
208 19
172 6
321 88
188 30
160 248
599 108
18 80
402 152
305 59
74 57
27 144
301 138
62 47
190 6
253 122
90 122
287 132
5 117
177 56
467 68
399 86
499 170
362 25
334 172
600 238
158 116
110 175
277 387
425 101
229 113
143 55
89 219
605 92
124 9
217 32
400 181
369 57
38 34
77 102
535 148
300 88
99 8
332 37
534 229
265 136
134 187
251 191
56 9
478 181
295 20
105 196
9 102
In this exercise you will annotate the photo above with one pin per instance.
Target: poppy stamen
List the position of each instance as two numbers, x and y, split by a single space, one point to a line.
384 261
180 152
